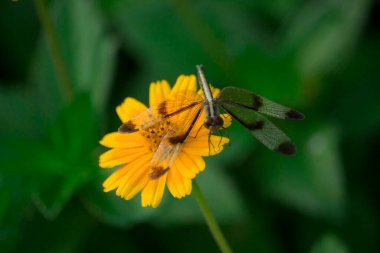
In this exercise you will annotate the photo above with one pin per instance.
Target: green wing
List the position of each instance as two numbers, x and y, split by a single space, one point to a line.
264 130
257 103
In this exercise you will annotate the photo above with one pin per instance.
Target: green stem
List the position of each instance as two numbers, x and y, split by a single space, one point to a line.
56 54
210 220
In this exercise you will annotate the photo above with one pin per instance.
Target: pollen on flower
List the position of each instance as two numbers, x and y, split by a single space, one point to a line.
153 135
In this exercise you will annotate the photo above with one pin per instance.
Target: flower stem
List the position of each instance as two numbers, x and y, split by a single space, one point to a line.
210 220
56 54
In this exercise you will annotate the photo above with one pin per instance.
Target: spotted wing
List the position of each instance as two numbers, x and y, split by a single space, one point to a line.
264 130
157 113
172 142
257 103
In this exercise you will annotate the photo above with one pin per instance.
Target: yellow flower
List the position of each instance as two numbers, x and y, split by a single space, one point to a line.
135 151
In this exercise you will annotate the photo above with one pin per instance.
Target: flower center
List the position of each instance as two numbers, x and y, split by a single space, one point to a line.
154 135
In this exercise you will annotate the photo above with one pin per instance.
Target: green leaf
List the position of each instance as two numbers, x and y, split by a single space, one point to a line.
170 39
74 134
58 165
324 33
68 156
329 243
88 52
312 180
271 75
52 193
358 82
5 200
70 232
13 201
113 210
21 112
15 55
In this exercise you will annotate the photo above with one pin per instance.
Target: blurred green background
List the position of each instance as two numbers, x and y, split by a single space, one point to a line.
319 56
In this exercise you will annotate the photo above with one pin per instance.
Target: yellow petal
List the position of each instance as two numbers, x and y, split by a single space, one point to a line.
118 140
215 91
226 120
158 92
113 181
129 108
135 179
200 145
152 193
137 187
189 165
202 132
184 84
178 185
120 177
118 156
